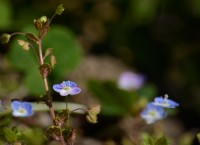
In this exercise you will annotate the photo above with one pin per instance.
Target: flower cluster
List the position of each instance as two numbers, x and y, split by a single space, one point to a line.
156 110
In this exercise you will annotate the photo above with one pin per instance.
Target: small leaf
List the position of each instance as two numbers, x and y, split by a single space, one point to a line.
32 37
47 52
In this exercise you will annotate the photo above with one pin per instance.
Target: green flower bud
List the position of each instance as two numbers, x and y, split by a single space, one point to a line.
24 45
60 9
53 60
43 19
5 38
94 109
91 118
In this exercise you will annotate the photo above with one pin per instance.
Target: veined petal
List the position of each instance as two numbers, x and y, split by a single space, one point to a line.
57 87
74 91
70 84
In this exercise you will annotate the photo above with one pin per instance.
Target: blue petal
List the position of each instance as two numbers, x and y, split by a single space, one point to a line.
57 87
28 107
15 105
74 91
70 84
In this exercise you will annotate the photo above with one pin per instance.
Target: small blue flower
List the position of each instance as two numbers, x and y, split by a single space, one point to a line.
164 102
67 88
21 109
152 113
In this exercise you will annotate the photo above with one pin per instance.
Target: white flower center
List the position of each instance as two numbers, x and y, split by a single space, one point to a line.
21 111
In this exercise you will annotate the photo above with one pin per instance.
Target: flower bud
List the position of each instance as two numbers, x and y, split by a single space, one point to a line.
45 70
60 9
53 60
91 118
24 45
43 19
95 109
5 38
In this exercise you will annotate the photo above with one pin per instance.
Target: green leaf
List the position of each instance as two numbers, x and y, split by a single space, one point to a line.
9 135
147 139
5 15
162 141
65 48
115 102
33 81
33 136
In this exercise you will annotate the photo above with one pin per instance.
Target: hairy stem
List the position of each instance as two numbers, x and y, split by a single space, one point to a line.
49 99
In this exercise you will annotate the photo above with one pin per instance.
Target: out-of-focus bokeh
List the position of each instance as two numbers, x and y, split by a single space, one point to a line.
95 42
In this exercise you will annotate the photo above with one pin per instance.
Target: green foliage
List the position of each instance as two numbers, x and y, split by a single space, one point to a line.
10 135
150 140
115 102
144 10
5 15
33 136
65 49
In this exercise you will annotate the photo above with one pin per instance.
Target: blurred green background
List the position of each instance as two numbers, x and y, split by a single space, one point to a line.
95 40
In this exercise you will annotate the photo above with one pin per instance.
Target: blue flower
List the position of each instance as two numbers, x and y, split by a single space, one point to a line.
131 81
21 109
67 88
152 113
164 102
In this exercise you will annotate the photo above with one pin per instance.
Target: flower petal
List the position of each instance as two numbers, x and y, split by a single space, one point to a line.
74 91
70 84
57 87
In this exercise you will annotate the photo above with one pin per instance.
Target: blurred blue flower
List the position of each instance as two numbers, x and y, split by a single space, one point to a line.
130 81
67 88
165 102
21 109
152 113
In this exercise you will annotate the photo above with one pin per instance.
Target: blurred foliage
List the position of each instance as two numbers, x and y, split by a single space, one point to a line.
150 140
118 102
5 15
